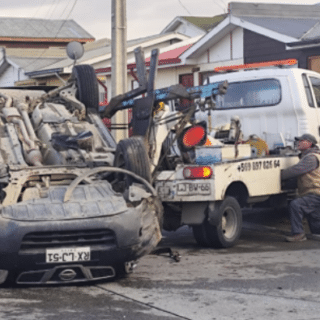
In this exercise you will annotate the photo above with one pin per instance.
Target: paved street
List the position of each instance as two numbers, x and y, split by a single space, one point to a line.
263 277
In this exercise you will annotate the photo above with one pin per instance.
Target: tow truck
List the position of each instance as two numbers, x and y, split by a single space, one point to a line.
202 181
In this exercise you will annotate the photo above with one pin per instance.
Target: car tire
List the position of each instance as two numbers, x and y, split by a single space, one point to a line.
131 154
226 232
87 86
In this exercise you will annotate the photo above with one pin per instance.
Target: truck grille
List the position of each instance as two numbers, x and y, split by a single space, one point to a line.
44 240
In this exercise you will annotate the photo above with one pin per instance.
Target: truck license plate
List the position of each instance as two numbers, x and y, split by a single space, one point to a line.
67 255
200 188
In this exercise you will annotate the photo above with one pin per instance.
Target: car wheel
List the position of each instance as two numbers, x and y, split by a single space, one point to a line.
229 224
131 154
87 86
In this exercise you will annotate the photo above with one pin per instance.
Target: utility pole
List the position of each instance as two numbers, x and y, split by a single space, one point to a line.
119 62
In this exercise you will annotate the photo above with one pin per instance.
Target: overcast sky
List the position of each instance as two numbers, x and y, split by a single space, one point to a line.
144 17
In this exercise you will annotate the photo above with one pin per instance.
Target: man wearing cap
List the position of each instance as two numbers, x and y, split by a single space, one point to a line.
307 172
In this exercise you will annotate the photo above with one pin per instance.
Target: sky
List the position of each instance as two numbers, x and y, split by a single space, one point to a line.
144 17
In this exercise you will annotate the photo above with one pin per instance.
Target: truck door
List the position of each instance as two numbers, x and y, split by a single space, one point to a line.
315 93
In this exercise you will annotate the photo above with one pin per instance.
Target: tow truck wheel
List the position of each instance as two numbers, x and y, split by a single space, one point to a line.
200 234
87 86
229 224
131 154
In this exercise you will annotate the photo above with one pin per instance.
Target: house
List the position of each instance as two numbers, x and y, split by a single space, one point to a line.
256 32
40 33
100 58
169 66
31 44
250 32
192 26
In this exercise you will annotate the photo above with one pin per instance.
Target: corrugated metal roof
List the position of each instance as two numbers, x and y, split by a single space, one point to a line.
31 64
95 53
52 52
172 54
312 33
97 44
296 28
41 28
275 10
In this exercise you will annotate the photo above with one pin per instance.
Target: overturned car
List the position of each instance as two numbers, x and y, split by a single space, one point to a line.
67 214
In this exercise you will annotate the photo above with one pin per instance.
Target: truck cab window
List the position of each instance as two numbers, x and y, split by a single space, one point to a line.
308 90
247 94
315 83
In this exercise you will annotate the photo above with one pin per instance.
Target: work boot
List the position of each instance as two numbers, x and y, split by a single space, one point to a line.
297 237
314 236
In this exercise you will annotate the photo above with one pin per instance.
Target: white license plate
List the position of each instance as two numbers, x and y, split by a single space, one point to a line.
68 255
199 188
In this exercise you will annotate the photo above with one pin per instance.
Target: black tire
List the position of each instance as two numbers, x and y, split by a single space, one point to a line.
122 270
229 224
171 218
227 229
131 154
200 235
87 86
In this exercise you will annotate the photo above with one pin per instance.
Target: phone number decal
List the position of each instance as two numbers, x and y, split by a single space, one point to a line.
258 165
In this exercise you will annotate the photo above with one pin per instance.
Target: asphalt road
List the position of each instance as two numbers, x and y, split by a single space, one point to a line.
262 277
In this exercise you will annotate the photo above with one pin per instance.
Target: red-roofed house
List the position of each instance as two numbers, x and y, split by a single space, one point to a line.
171 70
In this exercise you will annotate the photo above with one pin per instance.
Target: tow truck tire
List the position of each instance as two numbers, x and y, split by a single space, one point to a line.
200 235
87 86
229 224
131 154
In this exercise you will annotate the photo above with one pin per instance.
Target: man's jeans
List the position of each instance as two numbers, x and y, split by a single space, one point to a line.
307 206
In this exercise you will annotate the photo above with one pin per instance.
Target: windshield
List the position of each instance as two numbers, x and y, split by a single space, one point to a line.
258 93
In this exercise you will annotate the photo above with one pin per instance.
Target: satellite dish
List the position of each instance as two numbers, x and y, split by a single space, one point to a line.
75 50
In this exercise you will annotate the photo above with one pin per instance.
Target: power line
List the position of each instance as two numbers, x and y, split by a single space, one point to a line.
184 7
39 8
74 4
222 7
56 3
65 20
44 24
62 25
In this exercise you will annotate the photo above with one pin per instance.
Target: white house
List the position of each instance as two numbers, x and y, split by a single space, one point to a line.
257 32
193 26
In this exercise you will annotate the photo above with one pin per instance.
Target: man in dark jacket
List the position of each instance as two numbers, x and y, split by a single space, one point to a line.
307 172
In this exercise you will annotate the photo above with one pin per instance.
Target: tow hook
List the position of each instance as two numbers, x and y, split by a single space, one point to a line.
175 255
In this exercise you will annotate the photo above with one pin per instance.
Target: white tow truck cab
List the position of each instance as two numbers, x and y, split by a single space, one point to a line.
276 104
273 106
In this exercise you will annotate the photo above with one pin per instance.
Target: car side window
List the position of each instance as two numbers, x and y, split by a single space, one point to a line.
247 94
308 90
315 83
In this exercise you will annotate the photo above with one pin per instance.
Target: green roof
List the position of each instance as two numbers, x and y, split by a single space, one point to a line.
205 23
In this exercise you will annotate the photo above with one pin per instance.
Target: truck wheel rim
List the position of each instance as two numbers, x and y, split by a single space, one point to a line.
229 223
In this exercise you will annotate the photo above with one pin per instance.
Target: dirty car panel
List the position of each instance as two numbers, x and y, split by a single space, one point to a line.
64 215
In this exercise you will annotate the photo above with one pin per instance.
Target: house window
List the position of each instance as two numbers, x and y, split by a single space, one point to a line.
248 94
187 81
